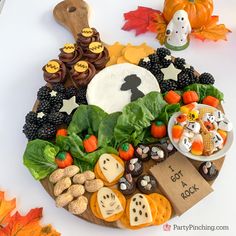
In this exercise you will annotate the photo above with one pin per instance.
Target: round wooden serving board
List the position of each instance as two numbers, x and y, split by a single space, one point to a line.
73 14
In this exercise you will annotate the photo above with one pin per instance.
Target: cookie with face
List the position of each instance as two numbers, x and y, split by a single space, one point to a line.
110 168
108 204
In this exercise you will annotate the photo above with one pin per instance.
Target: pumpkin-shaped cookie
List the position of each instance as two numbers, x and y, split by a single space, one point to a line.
141 211
109 168
108 204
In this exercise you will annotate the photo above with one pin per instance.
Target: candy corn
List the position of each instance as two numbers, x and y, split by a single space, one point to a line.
187 108
197 145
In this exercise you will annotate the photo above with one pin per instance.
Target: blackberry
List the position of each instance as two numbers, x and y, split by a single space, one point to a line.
159 77
68 119
179 63
155 70
42 120
145 63
30 131
56 107
165 63
81 96
43 93
47 131
168 85
184 80
56 118
154 58
162 52
44 106
206 78
59 87
70 92
57 99
31 117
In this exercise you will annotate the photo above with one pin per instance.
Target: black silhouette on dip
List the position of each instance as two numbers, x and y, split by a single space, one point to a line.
131 83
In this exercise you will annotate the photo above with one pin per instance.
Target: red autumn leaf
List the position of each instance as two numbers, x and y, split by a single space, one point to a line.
6 207
158 25
18 225
138 20
211 31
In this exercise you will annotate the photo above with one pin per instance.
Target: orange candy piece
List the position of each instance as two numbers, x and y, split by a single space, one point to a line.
177 131
197 145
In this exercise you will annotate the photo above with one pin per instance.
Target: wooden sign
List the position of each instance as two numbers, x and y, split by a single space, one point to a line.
181 182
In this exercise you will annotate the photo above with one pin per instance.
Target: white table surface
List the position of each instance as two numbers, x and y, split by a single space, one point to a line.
29 37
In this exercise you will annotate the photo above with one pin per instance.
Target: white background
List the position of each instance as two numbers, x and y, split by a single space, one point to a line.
29 37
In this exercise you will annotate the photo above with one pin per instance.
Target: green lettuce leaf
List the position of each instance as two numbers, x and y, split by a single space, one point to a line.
136 116
39 158
87 119
106 130
167 111
204 90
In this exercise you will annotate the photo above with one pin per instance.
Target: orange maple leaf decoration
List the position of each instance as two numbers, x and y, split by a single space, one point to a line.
211 31
158 25
18 225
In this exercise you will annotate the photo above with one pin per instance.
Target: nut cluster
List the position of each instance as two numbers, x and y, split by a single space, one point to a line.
70 186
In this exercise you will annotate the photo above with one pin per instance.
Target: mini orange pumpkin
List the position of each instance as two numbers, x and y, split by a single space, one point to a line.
199 11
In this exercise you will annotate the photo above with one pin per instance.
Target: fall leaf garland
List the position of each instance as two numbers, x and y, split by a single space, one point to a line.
18 225
146 19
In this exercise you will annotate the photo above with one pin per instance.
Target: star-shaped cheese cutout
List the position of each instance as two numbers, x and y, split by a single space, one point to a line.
168 57
170 72
146 59
53 93
69 105
187 66
40 115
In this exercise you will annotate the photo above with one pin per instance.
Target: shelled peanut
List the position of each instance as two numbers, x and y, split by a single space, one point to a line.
70 186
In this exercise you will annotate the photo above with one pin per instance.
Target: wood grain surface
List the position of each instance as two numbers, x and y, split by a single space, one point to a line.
73 14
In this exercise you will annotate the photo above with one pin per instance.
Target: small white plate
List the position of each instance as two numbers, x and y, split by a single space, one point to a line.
217 155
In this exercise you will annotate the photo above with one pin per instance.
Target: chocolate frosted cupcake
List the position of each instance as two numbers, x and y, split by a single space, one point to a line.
70 54
87 36
54 71
97 54
82 73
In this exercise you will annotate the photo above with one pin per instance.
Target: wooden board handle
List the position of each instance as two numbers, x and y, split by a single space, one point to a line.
72 14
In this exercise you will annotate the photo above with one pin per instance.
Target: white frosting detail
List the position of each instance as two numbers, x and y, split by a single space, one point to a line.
110 167
225 125
104 89
185 144
109 204
138 201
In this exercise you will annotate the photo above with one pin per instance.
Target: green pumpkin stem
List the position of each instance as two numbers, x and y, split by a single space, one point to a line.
61 156
125 147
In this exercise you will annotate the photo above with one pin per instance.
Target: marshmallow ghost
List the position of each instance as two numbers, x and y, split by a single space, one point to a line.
177 31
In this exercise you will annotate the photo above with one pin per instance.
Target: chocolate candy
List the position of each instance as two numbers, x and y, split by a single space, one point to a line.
147 184
166 144
134 167
87 36
70 54
54 71
158 153
82 73
208 171
142 152
127 185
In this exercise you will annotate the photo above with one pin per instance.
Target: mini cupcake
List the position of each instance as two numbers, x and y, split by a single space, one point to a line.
54 71
97 54
82 73
87 36
70 54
